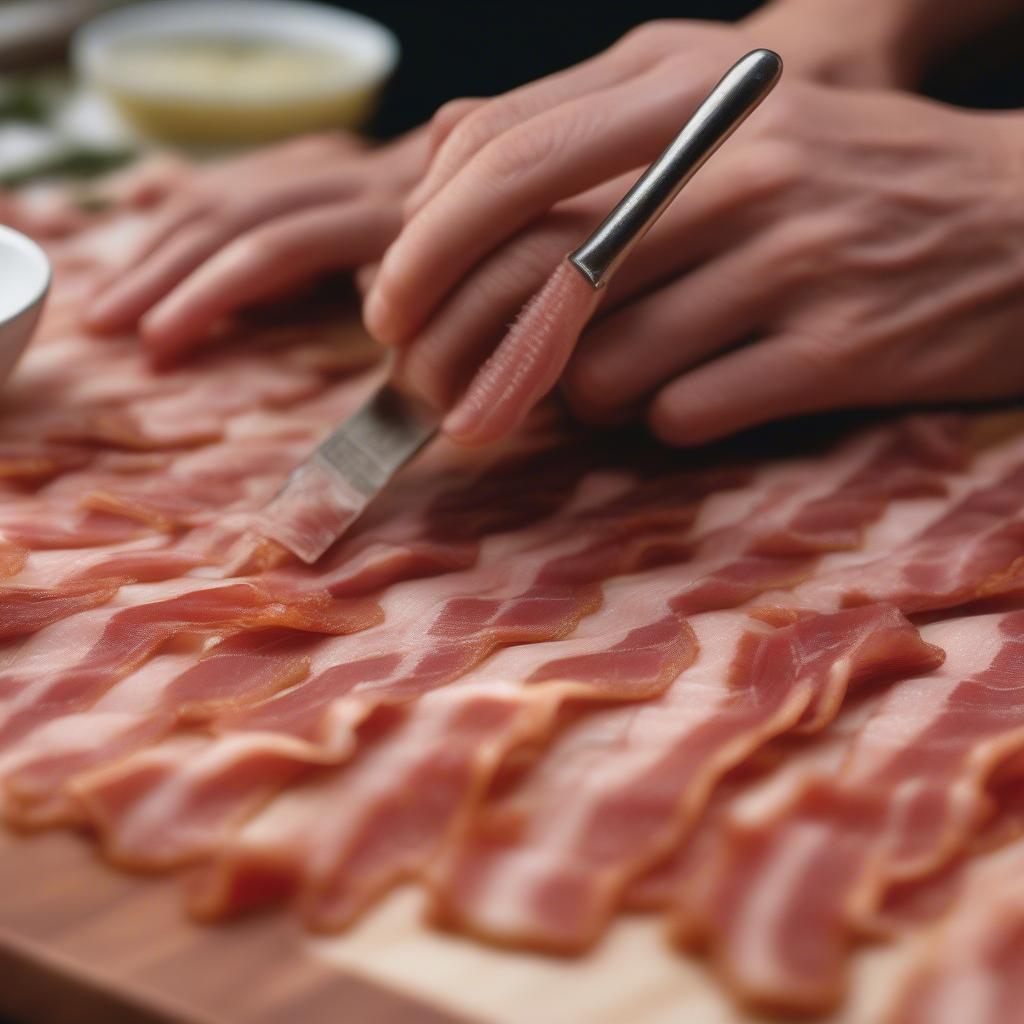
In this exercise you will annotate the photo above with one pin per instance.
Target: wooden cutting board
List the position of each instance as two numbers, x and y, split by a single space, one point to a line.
82 944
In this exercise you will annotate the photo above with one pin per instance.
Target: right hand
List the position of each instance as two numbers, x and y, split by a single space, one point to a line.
594 121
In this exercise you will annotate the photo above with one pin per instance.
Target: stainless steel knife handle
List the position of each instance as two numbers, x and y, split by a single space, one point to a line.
739 92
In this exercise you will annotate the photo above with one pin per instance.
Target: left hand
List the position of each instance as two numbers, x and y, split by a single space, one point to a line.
844 249
251 229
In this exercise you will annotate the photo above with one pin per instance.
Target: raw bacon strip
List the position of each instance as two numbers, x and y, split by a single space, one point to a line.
545 864
124 406
147 560
787 891
401 795
50 526
25 610
973 968
245 666
32 461
911 902
913 462
767 780
60 747
124 638
976 549
369 681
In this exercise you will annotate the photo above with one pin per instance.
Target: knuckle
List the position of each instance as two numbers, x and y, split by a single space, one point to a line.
519 152
804 250
202 236
449 115
820 353
475 130
516 154
656 36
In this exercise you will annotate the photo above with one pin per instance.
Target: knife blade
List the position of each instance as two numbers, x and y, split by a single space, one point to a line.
328 491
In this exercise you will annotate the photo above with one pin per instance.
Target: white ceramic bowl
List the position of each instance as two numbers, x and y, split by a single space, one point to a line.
24 282
354 56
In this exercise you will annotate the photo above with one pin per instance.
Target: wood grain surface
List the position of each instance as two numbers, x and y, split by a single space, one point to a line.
82 944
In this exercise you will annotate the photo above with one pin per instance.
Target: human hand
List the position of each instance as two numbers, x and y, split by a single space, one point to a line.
846 249
601 117
250 229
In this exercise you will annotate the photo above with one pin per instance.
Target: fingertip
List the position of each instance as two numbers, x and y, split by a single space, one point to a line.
459 426
105 314
378 317
162 336
456 423
675 420
365 276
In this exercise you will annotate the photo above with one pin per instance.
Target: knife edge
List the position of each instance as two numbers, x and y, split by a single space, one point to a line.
325 494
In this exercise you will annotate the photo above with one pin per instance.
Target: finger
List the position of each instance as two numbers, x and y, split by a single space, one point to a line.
112 301
629 352
449 116
471 322
770 380
528 361
365 276
268 261
557 154
186 239
480 126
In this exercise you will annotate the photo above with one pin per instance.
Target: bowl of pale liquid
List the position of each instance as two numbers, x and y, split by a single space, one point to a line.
226 72
24 282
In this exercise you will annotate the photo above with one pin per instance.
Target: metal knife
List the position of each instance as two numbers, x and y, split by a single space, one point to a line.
329 491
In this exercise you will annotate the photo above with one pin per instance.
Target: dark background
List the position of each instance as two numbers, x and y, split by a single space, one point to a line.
480 49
